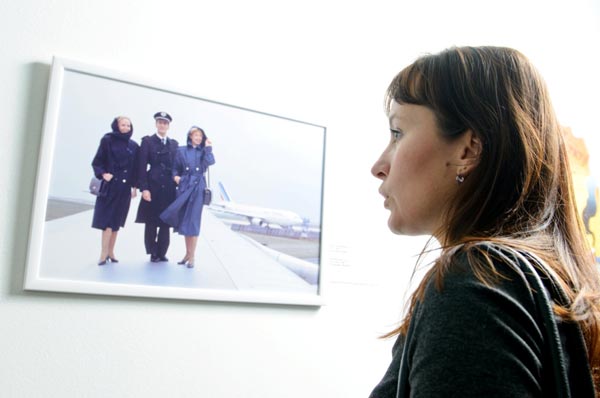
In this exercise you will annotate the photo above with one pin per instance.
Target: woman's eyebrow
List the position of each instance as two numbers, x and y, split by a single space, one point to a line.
395 117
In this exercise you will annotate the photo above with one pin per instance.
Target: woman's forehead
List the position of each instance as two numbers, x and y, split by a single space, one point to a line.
404 113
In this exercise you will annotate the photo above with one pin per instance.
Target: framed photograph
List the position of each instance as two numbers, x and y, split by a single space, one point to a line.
259 239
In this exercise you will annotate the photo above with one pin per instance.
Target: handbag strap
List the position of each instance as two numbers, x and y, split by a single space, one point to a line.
544 305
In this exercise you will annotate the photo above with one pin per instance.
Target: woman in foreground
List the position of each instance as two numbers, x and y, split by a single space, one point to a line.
476 159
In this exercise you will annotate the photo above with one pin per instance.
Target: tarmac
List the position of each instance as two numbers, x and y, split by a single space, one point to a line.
224 260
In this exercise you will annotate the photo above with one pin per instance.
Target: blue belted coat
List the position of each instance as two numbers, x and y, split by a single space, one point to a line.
185 213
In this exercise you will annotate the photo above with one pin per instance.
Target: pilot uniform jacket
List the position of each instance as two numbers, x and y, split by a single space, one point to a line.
470 339
116 154
155 175
185 213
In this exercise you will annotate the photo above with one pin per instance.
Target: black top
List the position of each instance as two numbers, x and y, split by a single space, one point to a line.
473 340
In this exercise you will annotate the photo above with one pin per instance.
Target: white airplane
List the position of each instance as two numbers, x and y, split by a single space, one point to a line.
255 215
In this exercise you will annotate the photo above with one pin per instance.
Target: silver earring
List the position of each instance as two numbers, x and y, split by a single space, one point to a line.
460 178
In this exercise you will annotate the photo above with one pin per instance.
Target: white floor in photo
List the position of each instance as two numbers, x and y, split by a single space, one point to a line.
223 260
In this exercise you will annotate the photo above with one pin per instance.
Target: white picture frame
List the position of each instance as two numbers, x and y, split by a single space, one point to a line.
243 256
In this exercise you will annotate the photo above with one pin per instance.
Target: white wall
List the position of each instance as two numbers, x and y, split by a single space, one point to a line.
325 62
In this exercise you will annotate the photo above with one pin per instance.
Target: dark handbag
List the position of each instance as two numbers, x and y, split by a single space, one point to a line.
207 197
98 187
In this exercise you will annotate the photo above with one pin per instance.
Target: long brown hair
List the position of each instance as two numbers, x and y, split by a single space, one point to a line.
520 194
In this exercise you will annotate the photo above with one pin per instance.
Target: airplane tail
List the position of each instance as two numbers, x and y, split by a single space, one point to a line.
224 196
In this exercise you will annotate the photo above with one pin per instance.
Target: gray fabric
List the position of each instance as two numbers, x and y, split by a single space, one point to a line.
473 340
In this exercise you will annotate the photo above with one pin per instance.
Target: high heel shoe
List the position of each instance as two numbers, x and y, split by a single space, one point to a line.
190 263
112 259
184 261
103 262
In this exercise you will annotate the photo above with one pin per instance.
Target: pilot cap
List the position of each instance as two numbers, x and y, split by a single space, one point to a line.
163 116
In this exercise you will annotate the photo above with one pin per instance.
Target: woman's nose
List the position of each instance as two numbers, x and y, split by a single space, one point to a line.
380 169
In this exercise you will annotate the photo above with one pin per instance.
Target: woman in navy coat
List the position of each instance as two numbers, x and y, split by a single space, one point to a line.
185 213
114 163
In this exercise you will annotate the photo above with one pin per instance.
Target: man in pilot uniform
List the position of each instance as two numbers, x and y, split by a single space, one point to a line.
157 154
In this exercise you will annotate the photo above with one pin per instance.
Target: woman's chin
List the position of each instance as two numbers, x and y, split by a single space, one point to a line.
400 228
395 226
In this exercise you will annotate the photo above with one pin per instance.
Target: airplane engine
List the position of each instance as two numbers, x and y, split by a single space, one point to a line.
258 221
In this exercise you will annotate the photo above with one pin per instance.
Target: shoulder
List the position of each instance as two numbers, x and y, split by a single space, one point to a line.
173 142
133 144
146 139
482 266
149 140
488 261
479 286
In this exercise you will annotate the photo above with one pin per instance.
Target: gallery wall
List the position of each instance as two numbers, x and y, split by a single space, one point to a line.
326 62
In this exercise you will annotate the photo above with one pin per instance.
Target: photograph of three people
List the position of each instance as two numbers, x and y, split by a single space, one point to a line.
189 199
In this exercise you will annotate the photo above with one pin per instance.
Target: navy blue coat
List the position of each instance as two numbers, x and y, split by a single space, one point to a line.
116 154
157 178
185 213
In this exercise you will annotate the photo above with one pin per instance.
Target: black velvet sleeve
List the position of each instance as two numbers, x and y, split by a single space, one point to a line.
100 161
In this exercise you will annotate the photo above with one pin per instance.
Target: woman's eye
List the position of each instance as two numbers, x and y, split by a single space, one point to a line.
396 135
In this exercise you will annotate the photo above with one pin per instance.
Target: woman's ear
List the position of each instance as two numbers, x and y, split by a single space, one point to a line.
469 152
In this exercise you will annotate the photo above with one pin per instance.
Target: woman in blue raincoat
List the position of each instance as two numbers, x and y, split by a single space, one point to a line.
185 213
